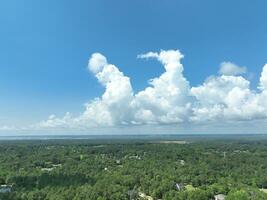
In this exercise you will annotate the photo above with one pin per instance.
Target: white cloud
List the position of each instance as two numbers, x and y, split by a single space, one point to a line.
226 98
263 78
166 99
148 55
112 108
7 128
54 121
169 98
228 69
97 62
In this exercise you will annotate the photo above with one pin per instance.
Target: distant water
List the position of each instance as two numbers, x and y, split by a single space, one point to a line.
54 137
139 137
87 137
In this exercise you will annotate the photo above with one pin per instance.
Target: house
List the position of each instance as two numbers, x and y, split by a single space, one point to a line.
220 197
47 169
5 188
56 165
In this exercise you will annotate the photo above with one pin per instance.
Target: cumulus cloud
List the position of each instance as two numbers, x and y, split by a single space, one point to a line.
169 98
231 69
97 62
112 108
226 98
263 78
166 100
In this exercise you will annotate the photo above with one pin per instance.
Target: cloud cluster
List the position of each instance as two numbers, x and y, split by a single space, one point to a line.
169 98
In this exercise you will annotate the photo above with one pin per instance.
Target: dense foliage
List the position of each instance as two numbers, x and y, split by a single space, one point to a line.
65 170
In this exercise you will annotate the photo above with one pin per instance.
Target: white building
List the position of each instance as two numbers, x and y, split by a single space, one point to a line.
220 197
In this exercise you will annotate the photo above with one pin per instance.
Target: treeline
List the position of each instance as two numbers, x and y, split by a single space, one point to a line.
76 171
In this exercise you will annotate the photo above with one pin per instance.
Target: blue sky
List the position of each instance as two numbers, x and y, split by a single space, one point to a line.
45 47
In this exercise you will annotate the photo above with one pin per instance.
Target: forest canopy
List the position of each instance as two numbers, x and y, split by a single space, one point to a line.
101 170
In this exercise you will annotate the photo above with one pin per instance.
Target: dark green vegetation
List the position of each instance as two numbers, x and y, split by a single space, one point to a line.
86 169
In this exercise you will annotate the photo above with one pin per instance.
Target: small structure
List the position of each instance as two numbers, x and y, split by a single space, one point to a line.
179 186
47 169
5 188
56 165
118 162
144 196
220 197
182 162
135 157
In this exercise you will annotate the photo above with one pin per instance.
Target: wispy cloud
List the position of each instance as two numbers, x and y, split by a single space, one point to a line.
231 69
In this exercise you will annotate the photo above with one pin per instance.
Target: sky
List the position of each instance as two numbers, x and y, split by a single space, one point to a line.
56 74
